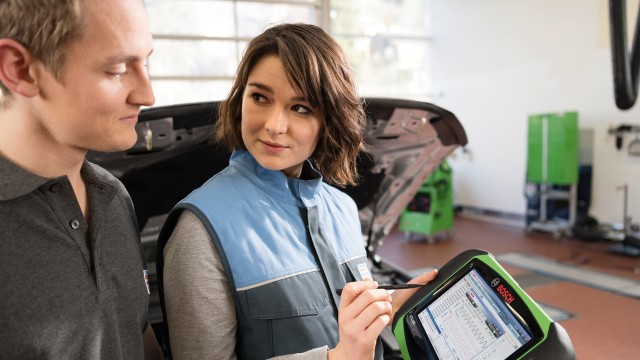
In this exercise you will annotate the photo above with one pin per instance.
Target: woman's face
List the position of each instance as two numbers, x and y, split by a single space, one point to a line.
280 128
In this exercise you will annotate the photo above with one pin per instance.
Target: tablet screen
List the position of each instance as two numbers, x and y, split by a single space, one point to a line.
468 321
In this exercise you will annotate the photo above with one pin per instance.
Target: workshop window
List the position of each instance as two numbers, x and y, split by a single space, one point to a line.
388 43
199 43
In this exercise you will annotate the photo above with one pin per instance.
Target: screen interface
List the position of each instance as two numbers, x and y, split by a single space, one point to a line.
469 321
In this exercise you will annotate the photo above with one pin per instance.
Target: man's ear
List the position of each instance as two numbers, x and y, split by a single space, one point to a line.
15 62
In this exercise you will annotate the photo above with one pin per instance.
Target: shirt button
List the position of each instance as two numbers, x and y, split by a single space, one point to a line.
54 188
75 224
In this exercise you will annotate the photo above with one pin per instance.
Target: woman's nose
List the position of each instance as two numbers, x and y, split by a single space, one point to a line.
276 122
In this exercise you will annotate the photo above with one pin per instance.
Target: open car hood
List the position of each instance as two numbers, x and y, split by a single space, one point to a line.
175 154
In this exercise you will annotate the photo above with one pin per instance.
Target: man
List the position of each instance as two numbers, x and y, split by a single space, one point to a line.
72 280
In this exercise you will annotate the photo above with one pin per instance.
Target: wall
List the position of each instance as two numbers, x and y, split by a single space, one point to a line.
497 61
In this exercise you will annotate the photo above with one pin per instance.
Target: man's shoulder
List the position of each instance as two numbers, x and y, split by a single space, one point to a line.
16 181
97 173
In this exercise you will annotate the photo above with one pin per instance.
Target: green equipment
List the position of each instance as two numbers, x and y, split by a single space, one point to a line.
552 171
475 310
431 209
553 148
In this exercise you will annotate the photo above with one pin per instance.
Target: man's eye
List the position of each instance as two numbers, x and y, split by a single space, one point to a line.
116 74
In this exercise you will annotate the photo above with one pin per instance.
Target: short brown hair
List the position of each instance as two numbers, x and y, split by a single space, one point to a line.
44 27
316 65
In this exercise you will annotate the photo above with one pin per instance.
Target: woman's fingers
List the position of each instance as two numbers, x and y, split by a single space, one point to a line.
368 307
365 307
363 313
353 289
424 277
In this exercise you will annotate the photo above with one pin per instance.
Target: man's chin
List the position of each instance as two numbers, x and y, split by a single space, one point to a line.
117 146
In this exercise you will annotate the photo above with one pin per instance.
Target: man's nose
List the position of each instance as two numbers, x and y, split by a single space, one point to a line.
141 91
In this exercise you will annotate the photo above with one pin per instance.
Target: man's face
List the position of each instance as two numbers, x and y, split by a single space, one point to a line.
94 105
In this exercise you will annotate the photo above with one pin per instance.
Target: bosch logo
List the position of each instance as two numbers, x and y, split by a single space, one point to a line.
495 282
506 295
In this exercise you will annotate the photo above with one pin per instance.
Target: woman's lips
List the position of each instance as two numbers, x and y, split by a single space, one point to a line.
273 147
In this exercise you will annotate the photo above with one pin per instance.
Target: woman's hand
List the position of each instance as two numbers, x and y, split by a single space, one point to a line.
401 296
363 313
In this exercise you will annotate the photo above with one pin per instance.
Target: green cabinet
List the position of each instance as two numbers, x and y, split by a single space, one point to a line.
552 171
553 149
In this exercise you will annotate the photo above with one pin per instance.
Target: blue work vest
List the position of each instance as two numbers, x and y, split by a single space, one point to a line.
259 222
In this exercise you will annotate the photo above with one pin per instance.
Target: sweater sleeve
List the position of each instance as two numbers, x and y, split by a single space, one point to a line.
200 311
313 354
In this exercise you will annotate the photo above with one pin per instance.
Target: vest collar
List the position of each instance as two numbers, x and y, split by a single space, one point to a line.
275 183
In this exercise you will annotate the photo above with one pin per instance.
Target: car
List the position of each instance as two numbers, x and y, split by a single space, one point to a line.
175 153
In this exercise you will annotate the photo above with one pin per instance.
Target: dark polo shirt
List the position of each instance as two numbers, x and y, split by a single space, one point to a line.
69 289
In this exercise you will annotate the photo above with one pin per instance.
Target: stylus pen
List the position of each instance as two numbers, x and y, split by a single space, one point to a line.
392 287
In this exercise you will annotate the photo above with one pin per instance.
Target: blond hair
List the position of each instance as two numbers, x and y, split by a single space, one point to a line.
43 27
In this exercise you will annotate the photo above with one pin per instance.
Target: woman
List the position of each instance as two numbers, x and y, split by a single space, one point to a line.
253 258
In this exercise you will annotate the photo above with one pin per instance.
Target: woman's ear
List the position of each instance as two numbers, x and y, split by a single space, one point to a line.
15 64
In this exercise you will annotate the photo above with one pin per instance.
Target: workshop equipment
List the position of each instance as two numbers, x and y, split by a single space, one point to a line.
430 212
552 171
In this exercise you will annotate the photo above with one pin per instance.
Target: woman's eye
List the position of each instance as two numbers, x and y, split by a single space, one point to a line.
258 98
301 109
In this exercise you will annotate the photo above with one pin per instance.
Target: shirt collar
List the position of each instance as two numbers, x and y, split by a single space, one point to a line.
16 181
275 183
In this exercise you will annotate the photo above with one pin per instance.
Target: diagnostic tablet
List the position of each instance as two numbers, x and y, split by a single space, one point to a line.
475 310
